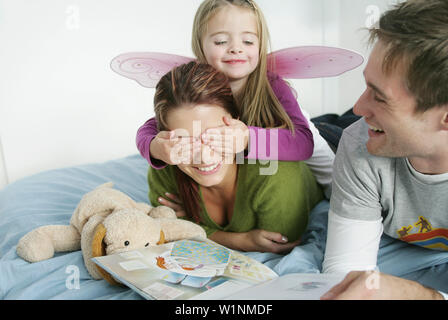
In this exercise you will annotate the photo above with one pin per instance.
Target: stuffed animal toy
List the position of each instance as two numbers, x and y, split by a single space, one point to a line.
106 221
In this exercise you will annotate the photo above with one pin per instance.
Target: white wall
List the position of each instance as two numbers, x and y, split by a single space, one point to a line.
61 105
355 16
3 176
294 23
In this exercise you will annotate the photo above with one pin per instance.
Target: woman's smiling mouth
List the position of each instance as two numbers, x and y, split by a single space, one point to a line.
211 169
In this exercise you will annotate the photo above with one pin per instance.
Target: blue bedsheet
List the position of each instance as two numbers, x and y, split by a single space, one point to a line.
50 198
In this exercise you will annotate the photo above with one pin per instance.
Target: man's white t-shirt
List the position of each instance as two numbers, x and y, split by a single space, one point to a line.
372 195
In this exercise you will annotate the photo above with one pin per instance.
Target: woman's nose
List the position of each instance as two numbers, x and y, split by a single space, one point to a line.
203 154
207 155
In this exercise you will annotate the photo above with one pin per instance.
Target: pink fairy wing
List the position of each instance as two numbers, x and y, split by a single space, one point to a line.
146 67
313 62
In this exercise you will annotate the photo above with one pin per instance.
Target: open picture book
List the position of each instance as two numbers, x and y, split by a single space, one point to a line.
204 270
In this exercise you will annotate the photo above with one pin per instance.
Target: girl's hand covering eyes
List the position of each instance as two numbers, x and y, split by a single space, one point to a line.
173 150
229 139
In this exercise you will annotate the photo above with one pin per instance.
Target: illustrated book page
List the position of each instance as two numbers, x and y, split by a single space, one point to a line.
293 286
185 269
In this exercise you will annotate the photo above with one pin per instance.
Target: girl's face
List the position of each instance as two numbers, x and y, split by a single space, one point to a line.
231 43
208 168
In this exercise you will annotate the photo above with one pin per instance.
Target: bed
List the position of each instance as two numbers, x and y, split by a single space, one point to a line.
50 198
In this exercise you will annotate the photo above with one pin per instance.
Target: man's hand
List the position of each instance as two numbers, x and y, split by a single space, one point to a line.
373 285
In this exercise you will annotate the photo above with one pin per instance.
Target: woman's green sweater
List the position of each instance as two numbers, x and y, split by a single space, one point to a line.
280 202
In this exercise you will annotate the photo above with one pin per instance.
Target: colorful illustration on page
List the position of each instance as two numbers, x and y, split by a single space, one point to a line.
194 258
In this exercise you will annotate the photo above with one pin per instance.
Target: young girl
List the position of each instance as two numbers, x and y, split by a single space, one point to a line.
232 36
237 207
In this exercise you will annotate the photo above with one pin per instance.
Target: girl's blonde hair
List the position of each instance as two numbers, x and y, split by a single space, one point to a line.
258 104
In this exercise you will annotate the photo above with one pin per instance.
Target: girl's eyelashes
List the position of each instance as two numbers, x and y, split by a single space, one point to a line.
220 43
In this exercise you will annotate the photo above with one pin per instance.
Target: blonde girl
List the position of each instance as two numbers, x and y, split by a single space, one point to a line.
232 36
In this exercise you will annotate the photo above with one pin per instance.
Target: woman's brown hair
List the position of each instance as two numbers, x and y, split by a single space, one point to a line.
191 84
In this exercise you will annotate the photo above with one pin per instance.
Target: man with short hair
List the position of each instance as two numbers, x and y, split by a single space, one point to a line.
391 168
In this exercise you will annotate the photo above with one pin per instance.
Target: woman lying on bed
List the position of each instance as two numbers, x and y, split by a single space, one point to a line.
236 205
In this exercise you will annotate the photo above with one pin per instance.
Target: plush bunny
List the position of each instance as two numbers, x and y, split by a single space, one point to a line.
107 221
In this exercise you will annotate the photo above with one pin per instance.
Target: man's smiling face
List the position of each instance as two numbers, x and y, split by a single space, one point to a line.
395 129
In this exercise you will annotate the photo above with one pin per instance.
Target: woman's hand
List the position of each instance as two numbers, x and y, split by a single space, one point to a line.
173 150
266 241
227 140
254 240
174 203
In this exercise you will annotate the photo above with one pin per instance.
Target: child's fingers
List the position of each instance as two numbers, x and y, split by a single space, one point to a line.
231 127
223 141
232 140
226 144
220 149
185 140
166 135
226 134
175 144
218 133
229 121
212 138
235 123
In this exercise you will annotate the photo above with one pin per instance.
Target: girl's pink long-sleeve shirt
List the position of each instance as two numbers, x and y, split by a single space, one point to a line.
264 144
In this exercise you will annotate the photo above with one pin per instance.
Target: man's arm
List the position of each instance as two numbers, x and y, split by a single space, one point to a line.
355 229
371 285
351 244
354 220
